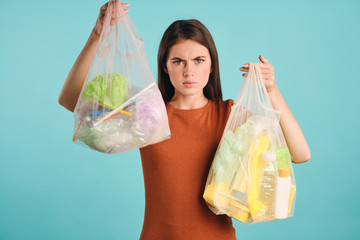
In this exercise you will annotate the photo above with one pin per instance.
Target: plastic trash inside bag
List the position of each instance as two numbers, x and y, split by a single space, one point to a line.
251 178
120 107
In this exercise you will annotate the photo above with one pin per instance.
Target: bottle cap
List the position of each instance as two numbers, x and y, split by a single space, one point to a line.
268 156
284 172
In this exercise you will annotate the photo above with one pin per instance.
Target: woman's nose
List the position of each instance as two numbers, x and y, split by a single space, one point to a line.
188 70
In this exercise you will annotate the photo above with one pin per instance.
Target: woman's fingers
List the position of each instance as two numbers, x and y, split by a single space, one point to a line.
265 77
103 7
263 68
263 60
117 15
267 72
125 5
245 68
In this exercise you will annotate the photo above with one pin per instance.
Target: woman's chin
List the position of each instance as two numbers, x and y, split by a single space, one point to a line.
191 91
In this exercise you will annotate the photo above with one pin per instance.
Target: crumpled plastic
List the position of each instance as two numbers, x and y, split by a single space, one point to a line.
106 137
141 121
109 89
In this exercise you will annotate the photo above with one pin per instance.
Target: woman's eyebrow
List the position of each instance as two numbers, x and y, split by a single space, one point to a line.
176 58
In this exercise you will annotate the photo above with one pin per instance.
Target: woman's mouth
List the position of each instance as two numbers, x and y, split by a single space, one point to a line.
189 83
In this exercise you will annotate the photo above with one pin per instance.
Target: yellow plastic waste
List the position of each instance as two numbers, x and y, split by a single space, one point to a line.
215 194
242 216
245 182
257 166
292 194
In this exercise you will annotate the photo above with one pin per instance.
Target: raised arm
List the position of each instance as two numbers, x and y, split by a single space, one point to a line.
76 77
293 134
294 137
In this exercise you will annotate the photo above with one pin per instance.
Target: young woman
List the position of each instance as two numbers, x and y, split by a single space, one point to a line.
175 170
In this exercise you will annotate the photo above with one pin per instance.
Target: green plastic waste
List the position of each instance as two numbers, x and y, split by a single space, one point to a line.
109 89
233 147
283 158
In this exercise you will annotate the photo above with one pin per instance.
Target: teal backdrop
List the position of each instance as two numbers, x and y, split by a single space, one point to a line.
51 188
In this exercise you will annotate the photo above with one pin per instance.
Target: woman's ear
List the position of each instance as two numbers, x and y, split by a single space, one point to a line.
211 69
165 69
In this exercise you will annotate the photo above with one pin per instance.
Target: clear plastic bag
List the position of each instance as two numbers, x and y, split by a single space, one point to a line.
251 178
120 107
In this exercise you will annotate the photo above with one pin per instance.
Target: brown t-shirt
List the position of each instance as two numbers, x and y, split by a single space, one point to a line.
175 173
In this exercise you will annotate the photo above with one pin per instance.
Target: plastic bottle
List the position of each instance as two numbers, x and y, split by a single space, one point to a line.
268 185
282 194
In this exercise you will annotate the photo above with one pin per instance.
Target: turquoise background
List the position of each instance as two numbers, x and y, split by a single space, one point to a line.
51 188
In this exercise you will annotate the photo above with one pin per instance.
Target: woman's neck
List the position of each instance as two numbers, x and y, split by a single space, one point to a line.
188 102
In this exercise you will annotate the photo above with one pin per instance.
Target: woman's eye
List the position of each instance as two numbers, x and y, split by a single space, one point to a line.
199 60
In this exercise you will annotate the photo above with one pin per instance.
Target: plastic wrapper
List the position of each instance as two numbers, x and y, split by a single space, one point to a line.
251 178
120 107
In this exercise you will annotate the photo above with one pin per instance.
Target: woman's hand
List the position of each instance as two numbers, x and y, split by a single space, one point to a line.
99 22
267 73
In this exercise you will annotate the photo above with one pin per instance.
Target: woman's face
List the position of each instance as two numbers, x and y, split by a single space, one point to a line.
189 66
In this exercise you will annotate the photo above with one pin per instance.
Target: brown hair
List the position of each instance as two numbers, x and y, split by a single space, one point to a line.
185 30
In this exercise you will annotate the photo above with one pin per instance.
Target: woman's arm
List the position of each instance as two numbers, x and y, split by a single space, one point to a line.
76 77
294 137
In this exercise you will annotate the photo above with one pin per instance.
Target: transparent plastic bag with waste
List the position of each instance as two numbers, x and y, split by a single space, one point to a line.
251 177
120 107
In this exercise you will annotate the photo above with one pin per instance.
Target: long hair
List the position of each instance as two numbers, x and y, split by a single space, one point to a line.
188 30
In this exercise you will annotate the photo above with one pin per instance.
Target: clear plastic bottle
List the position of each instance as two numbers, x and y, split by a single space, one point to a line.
267 192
